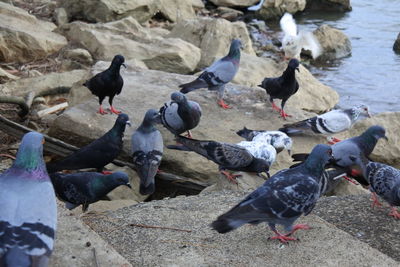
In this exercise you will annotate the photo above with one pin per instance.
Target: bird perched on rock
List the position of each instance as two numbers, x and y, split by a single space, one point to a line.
96 154
147 150
260 149
84 188
293 43
282 87
282 199
334 121
108 83
180 115
28 214
384 181
227 156
216 76
279 140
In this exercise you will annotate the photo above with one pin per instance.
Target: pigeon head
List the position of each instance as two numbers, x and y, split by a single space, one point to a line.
178 97
120 178
118 60
294 64
376 132
260 165
234 50
318 158
245 133
358 110
152 116
120 125
123 119
30 156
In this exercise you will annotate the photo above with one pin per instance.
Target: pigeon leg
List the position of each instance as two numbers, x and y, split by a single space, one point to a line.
113 110
189 134
298 227
280 237
350 180
394 212
102 111
284 114
375 200
275 107
231 177
223 105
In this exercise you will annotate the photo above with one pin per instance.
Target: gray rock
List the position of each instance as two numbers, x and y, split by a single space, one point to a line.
61 16
237 3
276 8
329 5
80 55
334 43
322 245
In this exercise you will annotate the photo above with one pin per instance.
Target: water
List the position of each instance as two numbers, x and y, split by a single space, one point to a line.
371 75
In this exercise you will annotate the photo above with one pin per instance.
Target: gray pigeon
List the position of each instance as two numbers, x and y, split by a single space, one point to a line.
384 181
282 199
28 214
96 154
180 115
84 188
216 76
227 156
334 121
147 150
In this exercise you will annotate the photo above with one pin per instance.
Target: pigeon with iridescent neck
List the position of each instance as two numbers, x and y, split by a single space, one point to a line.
84 188
96 154
216 76
28 214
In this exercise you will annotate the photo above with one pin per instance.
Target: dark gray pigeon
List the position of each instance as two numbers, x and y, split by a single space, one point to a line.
180 115
84 188
108 83
282 199
96 154
227 156
28 214
147 150
216 76
384 181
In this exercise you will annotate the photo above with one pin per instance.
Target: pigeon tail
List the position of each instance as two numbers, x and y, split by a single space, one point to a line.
196 84
224 225
300 156
290 131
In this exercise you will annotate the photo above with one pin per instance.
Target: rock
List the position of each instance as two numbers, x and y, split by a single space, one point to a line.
246 182
197 4
345 188
213 36
335 43
329 5
312 96
42 83
144 89
128 38
276 8
6 76
75 242
24 38
229 13
141 10
236 3
80 55
246 246
396 45
61 16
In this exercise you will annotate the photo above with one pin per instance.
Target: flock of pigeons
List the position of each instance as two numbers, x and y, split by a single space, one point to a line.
28 219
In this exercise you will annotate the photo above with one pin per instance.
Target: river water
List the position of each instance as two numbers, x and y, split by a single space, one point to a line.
371 75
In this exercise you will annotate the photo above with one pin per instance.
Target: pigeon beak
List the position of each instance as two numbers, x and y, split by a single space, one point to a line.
129 185
123 64
369 114
129 123
289 152
298 69
264 175
386 138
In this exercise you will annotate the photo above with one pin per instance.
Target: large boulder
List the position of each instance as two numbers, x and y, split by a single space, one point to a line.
184 237
141 10
396 45
128 38
334 43
24 38
329 5
213 36
235 3
144 89
276 8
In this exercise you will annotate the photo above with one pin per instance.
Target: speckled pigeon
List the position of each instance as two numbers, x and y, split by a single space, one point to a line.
282 87
96 154
147 151
84 188
227 156
216 76
28 214
334 121
108 83
282 199
260 149
279 140
180 115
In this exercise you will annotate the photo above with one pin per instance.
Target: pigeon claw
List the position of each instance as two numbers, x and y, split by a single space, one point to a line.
284 114
394 213
299 227
275 107
102 111
375 200
282 238
113 110
223 105
231 177
189 134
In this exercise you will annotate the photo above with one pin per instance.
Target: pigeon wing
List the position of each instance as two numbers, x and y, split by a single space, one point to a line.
288 25
308 41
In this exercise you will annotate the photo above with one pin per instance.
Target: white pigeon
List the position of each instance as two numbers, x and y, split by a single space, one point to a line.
260 149
293 42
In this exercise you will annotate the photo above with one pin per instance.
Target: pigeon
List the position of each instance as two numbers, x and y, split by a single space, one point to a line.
334 121
180 115
279 140
256 7
282 87
330 179
28 215
227 156
107 83
293 43
260 149
147 150
216 76
84 188
96 154
282 199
